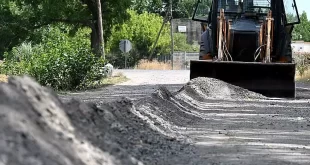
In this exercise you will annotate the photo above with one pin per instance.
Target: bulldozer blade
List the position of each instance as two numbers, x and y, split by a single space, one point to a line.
269 79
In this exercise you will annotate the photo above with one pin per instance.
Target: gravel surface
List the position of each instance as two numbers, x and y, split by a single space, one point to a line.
158 117
226 124
144 82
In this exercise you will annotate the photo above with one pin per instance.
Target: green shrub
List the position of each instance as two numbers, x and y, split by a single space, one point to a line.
60 61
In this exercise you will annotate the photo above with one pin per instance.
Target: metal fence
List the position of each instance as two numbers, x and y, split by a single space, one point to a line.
181 60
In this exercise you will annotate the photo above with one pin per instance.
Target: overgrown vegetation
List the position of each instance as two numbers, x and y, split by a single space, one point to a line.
59 61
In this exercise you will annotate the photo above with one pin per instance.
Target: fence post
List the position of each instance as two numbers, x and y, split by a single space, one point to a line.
172 63
185 62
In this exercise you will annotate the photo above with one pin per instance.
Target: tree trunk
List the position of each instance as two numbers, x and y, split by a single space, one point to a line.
95 43
100 29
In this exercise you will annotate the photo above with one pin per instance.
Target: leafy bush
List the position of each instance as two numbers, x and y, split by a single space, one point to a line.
60 61
24 51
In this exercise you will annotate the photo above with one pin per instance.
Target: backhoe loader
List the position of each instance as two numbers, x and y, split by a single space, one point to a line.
247 43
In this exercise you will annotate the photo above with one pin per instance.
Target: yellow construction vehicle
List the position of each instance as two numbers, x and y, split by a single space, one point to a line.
248 43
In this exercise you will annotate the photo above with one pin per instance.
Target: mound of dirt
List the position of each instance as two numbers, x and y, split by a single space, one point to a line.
37 128
211 88
123 125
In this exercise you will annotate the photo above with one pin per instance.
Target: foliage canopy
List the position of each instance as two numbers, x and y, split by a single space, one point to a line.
181 9
20 18
301 31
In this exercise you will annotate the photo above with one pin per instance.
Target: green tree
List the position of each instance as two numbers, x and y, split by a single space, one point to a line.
141 30
20 18
181 8
301 31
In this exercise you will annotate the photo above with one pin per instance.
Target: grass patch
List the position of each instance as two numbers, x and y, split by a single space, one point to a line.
153 65
115 79
302 66
3 78
305 77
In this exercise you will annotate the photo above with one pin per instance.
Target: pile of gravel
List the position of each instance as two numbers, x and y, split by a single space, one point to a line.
37 128
210 88
123 125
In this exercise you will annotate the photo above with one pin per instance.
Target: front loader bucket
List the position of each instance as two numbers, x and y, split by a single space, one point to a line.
269 79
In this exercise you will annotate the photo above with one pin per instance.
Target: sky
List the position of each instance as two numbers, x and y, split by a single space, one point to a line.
303 5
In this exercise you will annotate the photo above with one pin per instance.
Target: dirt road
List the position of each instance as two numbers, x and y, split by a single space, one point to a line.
142 83
221 130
